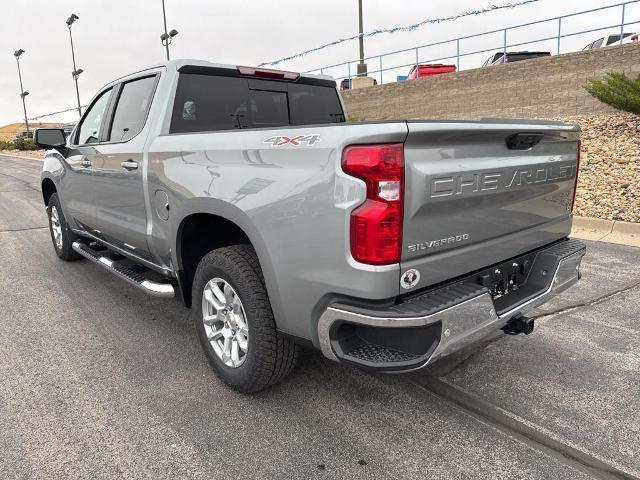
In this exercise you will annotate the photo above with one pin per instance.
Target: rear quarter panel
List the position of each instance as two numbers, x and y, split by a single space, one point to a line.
293 202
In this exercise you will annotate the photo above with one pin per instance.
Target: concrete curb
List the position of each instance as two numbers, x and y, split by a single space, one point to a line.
612 231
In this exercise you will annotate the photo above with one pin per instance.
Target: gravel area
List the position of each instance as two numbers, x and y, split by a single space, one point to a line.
609 181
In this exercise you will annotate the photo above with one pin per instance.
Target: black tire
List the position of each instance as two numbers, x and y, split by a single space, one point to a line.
64 251
270 356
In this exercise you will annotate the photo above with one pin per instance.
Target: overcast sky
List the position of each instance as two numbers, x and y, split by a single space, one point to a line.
115 37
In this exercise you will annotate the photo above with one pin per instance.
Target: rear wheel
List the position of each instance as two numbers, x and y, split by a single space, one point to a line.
234 321
61 236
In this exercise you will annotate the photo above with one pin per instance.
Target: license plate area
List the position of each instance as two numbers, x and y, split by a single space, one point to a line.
515 281
507 277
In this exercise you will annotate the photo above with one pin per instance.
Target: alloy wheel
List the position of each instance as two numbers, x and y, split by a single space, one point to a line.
56 228
225 322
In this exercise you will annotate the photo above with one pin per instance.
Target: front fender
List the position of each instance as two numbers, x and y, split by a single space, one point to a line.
53 168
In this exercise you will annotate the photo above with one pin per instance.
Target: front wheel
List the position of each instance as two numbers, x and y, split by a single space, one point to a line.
234 321
61 236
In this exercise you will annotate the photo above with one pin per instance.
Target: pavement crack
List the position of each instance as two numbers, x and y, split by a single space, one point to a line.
588 303
21 180
479 349
23 229
481 409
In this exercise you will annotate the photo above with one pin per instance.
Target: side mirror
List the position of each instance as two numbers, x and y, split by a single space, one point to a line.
49 138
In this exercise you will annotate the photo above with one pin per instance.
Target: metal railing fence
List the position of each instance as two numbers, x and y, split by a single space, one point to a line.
383 67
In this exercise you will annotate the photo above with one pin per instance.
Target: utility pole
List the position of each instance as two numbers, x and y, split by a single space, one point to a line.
23 94
362 67
167 38
76 71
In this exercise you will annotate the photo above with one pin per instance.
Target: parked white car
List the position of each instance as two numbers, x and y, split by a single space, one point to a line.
612 39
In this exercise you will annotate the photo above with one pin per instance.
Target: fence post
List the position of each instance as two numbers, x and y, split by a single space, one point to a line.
458 54
380 57
559 34
417 58
622 23
349 71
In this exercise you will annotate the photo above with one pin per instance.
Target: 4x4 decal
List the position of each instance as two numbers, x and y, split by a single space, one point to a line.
280 141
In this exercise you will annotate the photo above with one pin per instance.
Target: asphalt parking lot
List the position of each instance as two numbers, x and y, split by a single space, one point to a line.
100 381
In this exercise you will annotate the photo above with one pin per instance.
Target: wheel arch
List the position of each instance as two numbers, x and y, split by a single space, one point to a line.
225 229
48 187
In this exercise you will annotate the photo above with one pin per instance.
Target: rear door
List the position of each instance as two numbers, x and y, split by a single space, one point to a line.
480 193
118 182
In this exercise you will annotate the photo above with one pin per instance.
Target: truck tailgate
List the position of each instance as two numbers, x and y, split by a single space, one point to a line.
477 193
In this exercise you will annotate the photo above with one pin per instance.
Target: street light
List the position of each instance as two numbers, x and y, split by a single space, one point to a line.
167 38
76 71
23 94
362 67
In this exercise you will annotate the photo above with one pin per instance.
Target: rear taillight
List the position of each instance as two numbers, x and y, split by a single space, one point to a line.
376 225
634 38
575 182
267 73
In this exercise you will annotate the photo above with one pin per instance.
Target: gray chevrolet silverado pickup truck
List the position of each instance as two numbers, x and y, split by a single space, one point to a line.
386 245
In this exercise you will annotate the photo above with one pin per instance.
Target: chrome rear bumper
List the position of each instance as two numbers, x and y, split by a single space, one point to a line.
462 321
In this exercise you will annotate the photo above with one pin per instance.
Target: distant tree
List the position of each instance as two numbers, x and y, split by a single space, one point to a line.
617 90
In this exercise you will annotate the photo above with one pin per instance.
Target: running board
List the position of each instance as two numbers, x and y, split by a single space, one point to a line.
137 279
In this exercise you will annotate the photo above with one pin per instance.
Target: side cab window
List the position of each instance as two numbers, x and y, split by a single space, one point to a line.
132 108
126 107
91 124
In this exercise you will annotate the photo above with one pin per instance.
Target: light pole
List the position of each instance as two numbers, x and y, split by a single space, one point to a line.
76 71
362 67
167 38
23 94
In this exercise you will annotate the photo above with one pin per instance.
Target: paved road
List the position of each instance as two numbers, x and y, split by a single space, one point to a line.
99 381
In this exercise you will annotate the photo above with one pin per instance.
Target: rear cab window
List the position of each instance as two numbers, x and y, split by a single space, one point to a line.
616 38
210 102
517 57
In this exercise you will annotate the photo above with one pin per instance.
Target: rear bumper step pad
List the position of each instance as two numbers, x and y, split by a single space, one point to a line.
135 278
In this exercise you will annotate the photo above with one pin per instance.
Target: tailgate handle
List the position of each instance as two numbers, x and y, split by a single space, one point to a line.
524 141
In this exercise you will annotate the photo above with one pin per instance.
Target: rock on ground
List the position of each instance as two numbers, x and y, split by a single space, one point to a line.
609 179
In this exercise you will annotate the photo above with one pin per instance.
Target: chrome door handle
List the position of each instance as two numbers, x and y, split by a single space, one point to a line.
85 163
129 165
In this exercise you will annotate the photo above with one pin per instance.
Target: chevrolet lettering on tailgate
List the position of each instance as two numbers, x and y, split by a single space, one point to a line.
470 183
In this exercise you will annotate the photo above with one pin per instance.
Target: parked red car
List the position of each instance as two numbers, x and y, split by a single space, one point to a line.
430 70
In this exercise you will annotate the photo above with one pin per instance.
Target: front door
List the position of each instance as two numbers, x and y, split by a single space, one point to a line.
83 158
118 182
